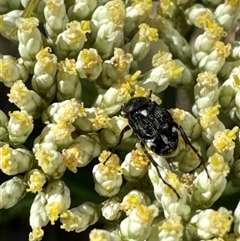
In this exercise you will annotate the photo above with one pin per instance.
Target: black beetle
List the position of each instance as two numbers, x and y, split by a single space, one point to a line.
155 129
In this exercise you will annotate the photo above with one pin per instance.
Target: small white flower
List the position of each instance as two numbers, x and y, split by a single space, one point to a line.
44 79
111 209
110 135
26 99
81 10
50 160
38 214
107 175
137 226
12 191
81 152
15 161
135 165
58 199
30 40
12 70
94 120
103 235
207 190
35 180
20 126
56 17
68 83
208 223
79 218
89 64
133 199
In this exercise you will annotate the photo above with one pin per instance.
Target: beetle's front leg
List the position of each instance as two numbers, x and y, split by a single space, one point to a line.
125 129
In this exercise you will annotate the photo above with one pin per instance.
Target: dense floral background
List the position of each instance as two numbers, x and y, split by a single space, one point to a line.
67 68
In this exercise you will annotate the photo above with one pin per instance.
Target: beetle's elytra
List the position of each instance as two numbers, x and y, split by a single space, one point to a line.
152 124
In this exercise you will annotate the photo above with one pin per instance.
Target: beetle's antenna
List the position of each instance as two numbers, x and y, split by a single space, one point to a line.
186 140
155 164
125 129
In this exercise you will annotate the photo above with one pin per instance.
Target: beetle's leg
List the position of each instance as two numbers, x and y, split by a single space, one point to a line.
155 164
186 140
125 129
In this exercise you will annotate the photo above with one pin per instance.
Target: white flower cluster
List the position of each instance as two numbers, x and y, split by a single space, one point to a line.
77 63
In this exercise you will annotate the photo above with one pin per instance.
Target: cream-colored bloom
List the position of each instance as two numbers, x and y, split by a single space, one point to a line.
81 9
82 151
65 111
89 64
80 217
136 13
206 91
141 42
36 234
133 199
107 175
214 60
116 68
207 190
170 229
110 135
175 41
56 17
35 179
226 13
20 126
210 123
26 99
71 41
94 120
137 226
57 135
50 160
38 214
109 36
113 11
11 70
15 161
107 27
228 91
8 21
12 191
111 209
30 40
68 82
135 165
58 199
224 144
160 77
187 121
208 223
44 80
103 235
112 99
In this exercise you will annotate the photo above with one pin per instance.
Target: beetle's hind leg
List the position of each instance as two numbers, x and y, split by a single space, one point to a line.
186 140
155 164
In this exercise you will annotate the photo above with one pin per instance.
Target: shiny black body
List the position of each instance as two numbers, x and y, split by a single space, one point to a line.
153 125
